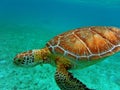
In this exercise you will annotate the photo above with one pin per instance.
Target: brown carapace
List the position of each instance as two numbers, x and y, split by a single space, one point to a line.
76 48
87 43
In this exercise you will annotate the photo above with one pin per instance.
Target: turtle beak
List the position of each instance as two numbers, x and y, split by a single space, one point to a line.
18 59
15 61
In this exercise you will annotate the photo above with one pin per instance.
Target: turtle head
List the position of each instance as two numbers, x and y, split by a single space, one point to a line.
32 57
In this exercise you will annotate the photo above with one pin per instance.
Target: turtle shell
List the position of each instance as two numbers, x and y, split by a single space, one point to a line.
86 43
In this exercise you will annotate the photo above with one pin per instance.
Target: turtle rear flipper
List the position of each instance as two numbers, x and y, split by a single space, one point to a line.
66 81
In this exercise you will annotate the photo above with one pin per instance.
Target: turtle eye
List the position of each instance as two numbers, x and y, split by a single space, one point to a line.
17 60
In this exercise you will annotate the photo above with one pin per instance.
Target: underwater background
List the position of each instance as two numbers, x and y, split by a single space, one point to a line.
29 24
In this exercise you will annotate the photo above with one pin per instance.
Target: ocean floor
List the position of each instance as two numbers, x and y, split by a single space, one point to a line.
15 39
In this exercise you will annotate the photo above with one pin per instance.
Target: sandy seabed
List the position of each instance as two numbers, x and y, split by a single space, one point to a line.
102 76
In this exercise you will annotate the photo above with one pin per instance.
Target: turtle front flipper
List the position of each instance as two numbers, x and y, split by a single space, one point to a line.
66 81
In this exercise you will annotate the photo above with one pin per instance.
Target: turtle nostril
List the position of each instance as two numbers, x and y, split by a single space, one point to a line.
14 58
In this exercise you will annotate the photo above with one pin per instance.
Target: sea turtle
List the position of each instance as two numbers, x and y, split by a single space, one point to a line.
76 48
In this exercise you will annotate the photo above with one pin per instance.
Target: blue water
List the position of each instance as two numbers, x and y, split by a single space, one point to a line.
29 24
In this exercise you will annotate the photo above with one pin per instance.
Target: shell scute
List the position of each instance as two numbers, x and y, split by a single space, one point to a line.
87 43
110 34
